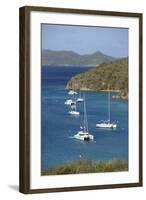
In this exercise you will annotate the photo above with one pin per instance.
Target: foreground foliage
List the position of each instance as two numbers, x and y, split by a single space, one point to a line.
88 166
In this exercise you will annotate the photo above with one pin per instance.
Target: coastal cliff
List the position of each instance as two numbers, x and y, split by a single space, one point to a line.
107 76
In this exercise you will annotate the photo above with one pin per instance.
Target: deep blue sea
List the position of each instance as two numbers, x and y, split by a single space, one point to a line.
57 126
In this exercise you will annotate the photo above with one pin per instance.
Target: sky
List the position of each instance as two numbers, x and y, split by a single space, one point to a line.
85 40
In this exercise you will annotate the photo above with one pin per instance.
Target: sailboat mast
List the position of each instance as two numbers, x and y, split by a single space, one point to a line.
85 117
109 106
75 107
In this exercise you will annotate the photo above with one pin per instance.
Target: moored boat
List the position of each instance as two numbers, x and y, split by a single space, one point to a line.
107 123
72 92
69 102
83 133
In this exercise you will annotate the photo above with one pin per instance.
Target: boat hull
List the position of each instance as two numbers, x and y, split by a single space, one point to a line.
80 100
71 92
74 112
106 125
83 136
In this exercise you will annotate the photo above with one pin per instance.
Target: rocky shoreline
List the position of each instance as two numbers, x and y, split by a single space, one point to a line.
118 94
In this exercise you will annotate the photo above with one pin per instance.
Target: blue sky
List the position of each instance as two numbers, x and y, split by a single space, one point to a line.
85 40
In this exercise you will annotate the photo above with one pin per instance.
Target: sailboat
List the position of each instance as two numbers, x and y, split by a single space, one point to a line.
72 101
107 123
69 102
80 99
83 133
74 110
72 92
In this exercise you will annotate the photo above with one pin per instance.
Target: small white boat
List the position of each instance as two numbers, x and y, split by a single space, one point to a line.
84 134
69 102
108 123
80 99
72 92
74 112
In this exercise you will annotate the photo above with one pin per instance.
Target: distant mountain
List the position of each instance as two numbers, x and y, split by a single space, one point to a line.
70 58
108 76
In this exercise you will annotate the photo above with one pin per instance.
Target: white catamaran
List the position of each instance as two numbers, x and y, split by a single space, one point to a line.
84 134
107 123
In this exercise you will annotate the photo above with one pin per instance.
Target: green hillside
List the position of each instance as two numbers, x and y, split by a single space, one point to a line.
107 76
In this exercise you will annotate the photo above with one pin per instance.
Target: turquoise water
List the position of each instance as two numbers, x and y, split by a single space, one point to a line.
57 126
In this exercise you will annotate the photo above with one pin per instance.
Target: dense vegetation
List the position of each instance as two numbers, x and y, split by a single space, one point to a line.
70 58
88 166
106 76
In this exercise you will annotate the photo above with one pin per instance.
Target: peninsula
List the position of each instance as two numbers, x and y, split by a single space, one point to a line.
107 76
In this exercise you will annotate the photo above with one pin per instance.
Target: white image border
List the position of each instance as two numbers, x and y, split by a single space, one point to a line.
132 176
